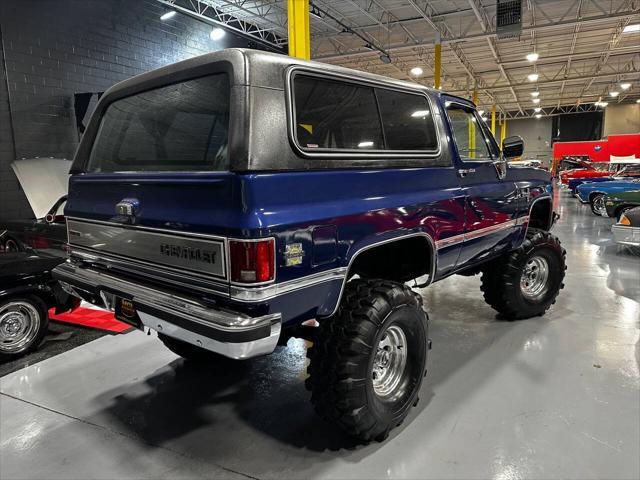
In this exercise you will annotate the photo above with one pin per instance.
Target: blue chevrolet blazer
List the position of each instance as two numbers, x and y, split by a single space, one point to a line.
237 199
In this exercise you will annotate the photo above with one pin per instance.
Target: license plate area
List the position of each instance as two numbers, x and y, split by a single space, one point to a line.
126 312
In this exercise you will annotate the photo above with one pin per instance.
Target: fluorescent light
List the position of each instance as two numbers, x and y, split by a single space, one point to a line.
632 28
416 71
537 109
532 57
625 86
365 144
601 104
168 15
480 112
638 100
484 119
216 34
533 77
535 100
420 113
535 94
538 115
614 94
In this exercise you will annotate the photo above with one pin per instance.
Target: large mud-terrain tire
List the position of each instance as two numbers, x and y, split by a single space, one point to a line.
368 360
23 325
190 352
524 283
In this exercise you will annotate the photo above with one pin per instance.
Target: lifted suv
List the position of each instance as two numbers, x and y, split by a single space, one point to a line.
226 200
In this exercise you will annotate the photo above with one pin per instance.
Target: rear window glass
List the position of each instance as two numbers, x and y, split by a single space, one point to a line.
180 127
335 115
407 121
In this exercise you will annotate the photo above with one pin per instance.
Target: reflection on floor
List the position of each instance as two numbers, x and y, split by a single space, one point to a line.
551 397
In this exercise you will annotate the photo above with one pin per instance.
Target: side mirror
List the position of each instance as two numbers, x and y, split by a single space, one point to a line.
513 147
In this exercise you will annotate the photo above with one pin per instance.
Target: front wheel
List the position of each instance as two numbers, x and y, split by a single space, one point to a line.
597 205
367 361
23 325
525 282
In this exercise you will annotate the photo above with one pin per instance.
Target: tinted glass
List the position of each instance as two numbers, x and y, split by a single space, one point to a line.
471 142
336 115
407 121
180 127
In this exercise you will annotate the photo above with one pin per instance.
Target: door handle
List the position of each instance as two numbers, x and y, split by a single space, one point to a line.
463 172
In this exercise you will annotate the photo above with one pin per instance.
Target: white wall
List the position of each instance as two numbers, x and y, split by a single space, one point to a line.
622 118
536 133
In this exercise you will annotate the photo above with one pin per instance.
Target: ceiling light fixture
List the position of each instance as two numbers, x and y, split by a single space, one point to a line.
480 112
416 71
532 57
420 113
625 86
538 115
638 100
614 94
533 77
365 144
535 94
631 28
168 15
537 109
535 100
601 104
216 34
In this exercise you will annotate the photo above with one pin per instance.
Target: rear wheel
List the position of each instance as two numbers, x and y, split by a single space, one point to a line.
597 205
23 325
367 362
525 282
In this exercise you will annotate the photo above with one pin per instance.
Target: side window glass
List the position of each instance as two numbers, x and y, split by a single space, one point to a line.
407 121
335 115
470 140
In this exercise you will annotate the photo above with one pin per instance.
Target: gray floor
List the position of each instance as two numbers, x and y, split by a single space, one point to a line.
552 397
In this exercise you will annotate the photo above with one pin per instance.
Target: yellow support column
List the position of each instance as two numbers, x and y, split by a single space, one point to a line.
503 131
493 120
472 128
299 38
437 62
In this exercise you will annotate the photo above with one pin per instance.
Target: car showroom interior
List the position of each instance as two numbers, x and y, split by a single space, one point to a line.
338 239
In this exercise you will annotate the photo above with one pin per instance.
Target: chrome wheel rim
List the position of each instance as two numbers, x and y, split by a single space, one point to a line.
19 325
389 362
598 205
535 275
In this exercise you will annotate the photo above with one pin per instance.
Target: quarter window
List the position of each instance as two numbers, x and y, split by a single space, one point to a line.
406 120
336 115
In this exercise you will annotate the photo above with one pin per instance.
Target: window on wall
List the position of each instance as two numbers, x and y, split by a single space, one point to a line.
337 115
470 140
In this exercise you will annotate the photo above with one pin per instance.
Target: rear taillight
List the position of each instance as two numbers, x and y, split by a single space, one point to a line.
252 262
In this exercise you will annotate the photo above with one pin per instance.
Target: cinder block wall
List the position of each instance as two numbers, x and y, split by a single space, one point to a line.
53 49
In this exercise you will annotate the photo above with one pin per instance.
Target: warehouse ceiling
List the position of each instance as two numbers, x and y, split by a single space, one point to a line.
584 51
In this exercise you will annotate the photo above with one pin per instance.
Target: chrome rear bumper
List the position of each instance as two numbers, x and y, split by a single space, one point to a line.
232 334
626 235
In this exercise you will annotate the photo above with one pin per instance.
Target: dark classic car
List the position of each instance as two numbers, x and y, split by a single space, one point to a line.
619 202
627 230
29 250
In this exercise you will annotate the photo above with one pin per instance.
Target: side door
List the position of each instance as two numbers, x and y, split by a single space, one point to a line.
491 198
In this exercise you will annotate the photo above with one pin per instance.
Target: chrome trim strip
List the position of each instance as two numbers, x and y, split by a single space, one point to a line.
464 237
434 259
245 294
